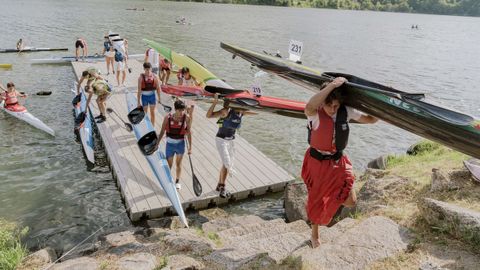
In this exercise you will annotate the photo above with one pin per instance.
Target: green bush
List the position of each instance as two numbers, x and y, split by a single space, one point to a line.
12 251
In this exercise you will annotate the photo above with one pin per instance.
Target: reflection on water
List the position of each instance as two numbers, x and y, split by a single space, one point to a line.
45 182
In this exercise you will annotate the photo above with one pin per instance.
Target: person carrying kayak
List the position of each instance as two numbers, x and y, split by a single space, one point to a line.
165 68
229 122
148 84
109 54
153 57
81 43
102 90
120 67
176 126
90 74
326 171
185 78
10 96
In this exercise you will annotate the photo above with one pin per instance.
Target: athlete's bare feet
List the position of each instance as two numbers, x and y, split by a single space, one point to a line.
314 242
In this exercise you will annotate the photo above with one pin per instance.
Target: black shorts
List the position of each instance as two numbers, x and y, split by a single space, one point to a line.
79 44
165 69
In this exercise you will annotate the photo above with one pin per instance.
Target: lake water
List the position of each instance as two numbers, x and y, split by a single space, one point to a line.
44 181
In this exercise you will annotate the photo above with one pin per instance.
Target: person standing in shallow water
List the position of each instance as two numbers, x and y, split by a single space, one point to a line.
326 170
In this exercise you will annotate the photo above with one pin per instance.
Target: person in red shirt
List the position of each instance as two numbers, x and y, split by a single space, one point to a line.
326 170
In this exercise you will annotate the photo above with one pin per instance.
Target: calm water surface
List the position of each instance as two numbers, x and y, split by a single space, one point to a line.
44 181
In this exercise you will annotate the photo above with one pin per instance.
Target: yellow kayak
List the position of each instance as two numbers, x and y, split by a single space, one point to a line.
202 75
5 65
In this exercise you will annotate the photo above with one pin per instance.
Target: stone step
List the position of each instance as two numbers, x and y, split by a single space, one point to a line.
244 229
268 230
222 224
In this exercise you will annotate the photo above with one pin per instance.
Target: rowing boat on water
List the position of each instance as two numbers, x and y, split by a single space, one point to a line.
85 128
147 142
5 65
32 49
402 109
20 112
69 59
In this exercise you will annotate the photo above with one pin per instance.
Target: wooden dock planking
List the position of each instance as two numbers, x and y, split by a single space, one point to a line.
255 174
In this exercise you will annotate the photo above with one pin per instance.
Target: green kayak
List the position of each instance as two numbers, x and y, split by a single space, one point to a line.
405 110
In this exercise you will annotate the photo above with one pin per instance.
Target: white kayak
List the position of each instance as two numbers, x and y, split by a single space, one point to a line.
144 131
20 112
69 59
86 129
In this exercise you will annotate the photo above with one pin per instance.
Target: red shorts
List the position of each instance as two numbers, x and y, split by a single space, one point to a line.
328 183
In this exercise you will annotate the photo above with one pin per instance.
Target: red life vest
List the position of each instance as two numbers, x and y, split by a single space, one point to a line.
176 130
11 98
148 83
331 136
164 64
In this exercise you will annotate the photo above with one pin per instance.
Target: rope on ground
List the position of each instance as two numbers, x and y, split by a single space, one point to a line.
83 241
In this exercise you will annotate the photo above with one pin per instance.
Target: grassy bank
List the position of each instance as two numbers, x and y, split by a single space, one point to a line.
402 206
11 250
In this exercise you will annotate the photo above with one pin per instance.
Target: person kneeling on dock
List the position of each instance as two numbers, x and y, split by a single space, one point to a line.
176 126
102 89
90 74
230 120
148 84
327 171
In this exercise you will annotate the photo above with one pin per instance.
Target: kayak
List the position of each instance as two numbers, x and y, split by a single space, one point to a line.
5 65
69 59
31 49
405 110
147 142
197 70
242 99
85 129
20 112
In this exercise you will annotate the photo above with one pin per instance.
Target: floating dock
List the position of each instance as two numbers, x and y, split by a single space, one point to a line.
255 173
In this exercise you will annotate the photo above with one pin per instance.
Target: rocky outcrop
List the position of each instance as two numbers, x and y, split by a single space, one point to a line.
295 200
355 246
458 221
188 241
83 263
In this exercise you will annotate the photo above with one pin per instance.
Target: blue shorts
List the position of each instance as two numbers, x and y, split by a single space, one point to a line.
149 98
174 147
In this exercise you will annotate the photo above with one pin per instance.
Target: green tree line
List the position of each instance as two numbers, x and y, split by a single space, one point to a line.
445 7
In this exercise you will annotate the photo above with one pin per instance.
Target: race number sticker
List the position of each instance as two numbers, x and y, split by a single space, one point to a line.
295 50
256 88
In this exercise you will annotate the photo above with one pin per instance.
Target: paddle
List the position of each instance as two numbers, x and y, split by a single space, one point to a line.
197 187
128 126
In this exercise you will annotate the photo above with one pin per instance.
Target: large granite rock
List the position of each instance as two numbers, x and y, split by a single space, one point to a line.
260 243
459 221
441 181
295 200
82 263
379 163
187 241
38 260
379 188
224 223
181 262
356 246
138 261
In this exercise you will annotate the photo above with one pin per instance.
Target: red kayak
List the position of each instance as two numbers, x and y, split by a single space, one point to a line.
243 99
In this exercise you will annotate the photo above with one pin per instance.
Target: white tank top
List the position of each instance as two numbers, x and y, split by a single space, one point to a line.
153 57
